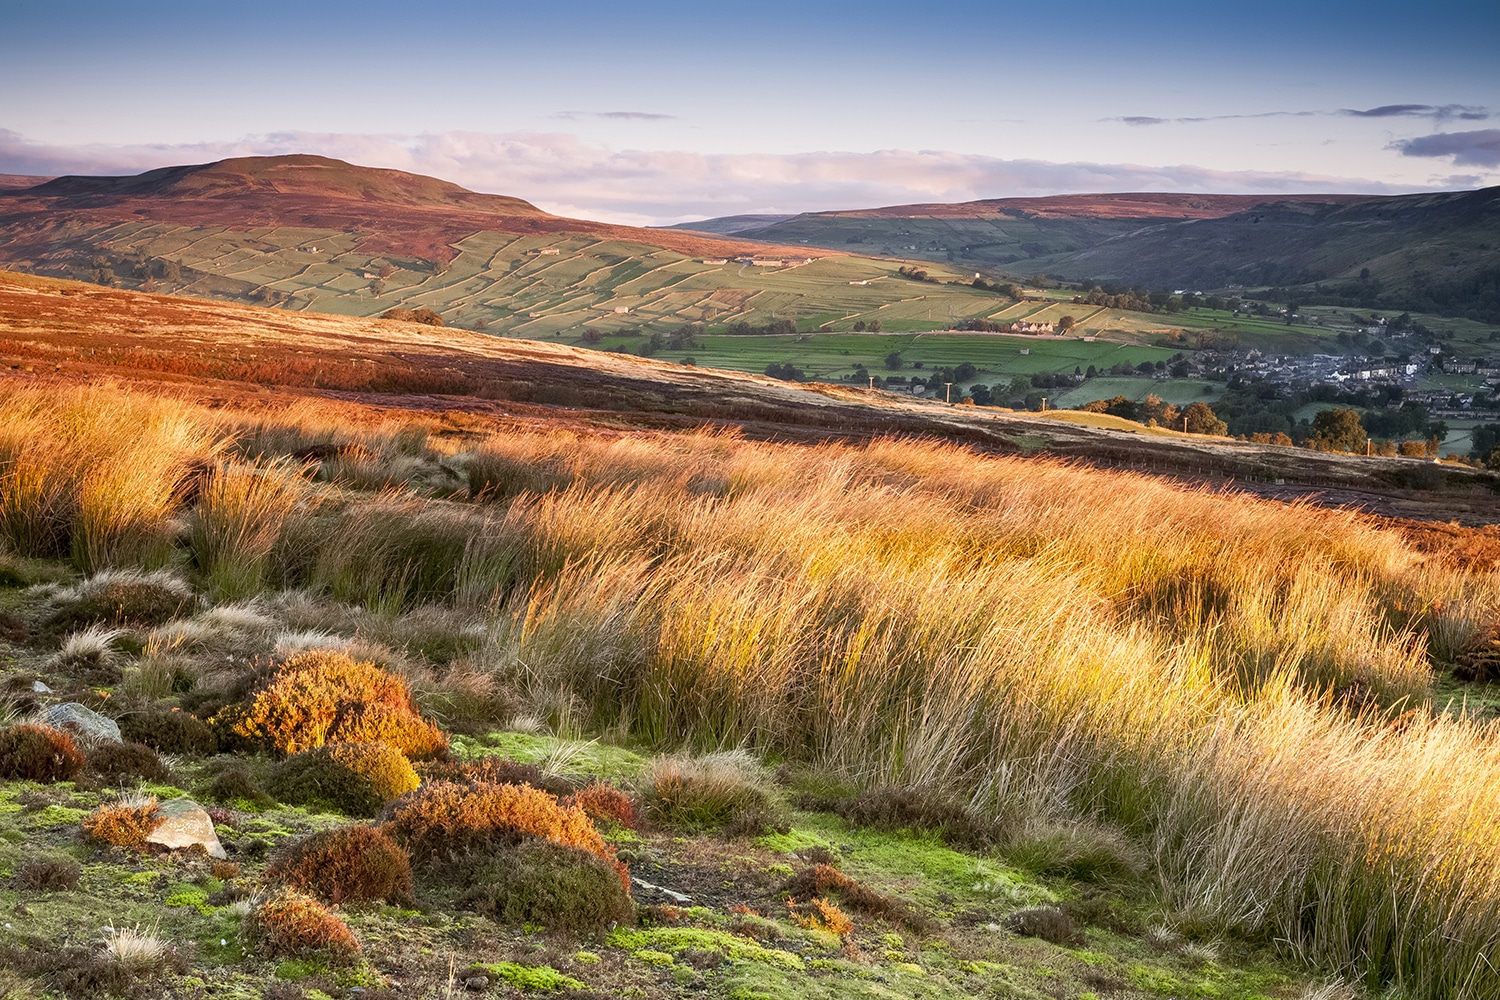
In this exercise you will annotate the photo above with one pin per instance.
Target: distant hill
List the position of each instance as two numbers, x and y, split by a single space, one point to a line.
1437 252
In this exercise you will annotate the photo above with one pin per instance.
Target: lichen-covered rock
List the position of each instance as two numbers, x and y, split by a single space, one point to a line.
83 722
184 823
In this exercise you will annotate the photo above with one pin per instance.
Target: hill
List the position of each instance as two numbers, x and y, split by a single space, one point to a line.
1431 253
507 668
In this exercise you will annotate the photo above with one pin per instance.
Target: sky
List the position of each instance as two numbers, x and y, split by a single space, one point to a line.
669 112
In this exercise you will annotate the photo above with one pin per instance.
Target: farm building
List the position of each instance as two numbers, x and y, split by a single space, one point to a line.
716 260
546 252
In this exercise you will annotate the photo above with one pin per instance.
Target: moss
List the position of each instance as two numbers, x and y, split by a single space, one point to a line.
530 977
586 958
190 895
651 957
679 939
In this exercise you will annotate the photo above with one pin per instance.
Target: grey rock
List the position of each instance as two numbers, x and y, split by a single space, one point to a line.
476 982
185 823
84 722
40 688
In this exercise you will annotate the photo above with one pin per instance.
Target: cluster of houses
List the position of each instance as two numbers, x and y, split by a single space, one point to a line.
1023 326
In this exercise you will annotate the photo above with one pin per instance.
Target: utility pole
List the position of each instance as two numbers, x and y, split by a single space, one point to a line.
872 383
948 392
1184 423
1044 404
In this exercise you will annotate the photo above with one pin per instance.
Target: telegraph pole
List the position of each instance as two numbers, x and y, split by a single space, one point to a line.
948 393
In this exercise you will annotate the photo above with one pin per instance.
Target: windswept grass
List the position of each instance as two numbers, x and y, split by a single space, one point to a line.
1241 686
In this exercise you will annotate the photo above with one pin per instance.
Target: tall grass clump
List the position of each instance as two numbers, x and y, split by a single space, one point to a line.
95 473
240 518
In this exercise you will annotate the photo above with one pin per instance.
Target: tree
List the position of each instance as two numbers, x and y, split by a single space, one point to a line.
859 326
874 326
1200 418
1066 323
1338 429
592 335
894 360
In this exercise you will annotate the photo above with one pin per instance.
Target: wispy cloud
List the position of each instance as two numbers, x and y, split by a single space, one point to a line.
1480 148
1435 112
1438 112
631 116
564 174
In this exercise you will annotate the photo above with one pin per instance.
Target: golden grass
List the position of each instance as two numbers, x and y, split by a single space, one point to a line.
1241 685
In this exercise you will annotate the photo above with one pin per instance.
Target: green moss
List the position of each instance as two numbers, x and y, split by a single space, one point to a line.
56 816
794 841
527 977
190 895
141 878
296 970
651 957
586 958
679 939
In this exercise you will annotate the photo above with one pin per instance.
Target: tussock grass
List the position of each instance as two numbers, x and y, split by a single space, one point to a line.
1241 687
96 473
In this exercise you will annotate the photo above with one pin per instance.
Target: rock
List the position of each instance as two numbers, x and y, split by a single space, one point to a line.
83 722
185 823
40 688
476 982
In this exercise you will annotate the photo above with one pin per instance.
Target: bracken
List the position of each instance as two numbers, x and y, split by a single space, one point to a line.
122 824
39 753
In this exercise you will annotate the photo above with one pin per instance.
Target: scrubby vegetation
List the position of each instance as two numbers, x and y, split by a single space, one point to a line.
789 717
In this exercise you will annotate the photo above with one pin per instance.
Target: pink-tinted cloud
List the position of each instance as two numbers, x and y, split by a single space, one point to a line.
564 174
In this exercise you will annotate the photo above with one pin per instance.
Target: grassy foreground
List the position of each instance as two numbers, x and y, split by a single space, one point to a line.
1216 708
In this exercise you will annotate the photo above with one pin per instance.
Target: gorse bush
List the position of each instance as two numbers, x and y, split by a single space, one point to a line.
325 696
38 753
354 778
348 864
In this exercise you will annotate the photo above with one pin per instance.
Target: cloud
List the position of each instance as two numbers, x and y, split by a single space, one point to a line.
634 116
1443 112
1139 120
562 173
1148 120
1471 149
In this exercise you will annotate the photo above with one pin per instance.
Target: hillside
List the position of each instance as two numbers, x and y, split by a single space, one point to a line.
1425 253
349 658
308 233
241 353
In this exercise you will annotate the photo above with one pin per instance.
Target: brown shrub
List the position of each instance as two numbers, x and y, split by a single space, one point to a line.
48 873
170 732
120 762
448 819
354 778
606 803
38 753
819 913
358 862
122 824
824 880
1045 922
927 809
293 925
726 791
324 696
122 598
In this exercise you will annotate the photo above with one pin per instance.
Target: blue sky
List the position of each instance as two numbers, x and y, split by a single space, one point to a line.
671 111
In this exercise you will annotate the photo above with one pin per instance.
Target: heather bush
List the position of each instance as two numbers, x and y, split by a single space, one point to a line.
540 882
169 732
118 763
234 783
38 753
293 925
499 771
125 823
324 696
604 803
355 863
353 778
444 820
827 882
1046 922
47 873
923 809
727 791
